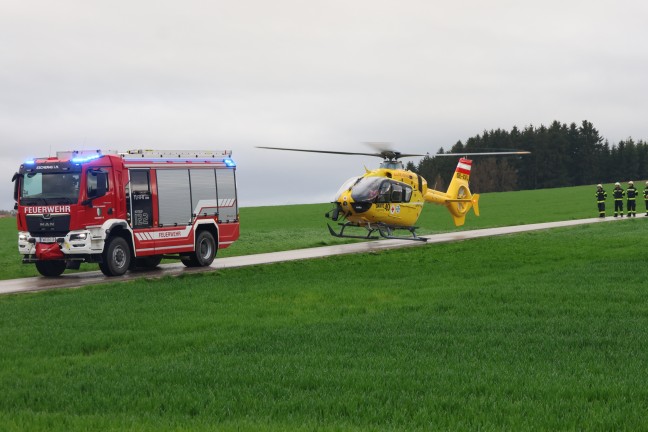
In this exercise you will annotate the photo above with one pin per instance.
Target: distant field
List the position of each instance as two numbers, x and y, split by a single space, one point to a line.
537 331
275 228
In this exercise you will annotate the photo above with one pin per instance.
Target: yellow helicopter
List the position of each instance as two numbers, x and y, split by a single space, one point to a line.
391 198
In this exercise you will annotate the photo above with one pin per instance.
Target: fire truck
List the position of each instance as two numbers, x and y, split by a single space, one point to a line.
125 210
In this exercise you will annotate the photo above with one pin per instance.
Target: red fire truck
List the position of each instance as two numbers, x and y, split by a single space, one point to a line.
125 210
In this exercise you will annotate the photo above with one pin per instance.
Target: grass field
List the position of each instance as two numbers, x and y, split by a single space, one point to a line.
543 331
269 229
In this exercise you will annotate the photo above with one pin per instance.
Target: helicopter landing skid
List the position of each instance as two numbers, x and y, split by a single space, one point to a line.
385 231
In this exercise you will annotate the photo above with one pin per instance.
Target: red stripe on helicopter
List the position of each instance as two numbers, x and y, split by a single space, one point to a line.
464 166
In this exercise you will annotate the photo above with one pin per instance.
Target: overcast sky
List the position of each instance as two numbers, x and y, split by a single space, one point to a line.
311 74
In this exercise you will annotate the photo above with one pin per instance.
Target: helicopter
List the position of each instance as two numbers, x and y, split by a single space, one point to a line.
391 198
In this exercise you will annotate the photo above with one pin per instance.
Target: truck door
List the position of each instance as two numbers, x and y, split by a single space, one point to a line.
98 196
139 205
138 199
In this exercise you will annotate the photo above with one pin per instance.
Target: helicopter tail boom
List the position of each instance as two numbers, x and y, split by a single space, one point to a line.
457 199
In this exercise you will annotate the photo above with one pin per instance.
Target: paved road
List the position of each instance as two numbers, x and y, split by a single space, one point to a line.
75 280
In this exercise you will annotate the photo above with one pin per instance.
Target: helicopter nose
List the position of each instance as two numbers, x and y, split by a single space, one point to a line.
333 214
336 212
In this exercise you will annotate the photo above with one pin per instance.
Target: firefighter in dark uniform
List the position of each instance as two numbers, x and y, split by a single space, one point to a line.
632 199
601 196
618 193
646 197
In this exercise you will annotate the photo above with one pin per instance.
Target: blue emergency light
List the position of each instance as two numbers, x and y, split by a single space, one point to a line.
86 159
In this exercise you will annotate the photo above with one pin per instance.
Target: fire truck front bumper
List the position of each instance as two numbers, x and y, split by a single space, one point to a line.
74 245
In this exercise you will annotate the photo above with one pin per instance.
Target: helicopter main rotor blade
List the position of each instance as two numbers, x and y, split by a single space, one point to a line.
384 154
390 154
320 151
481 154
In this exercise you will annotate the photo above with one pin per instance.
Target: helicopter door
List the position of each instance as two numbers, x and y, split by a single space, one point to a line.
382 200
397 193
395 198
384 192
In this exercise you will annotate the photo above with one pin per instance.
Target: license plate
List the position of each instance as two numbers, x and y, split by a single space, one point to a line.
48 239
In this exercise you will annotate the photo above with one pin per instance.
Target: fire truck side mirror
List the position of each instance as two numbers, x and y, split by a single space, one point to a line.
97 186
15 179
102 182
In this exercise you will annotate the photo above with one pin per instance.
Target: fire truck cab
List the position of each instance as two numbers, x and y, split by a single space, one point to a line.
125 210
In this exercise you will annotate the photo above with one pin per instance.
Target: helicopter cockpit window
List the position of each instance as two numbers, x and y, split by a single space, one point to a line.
366 189
377 189
345 187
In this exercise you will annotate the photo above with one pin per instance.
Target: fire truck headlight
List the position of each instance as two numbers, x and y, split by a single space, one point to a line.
22 237
81 236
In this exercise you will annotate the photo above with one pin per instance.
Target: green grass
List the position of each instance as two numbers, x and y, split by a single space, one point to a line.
9 256
277 228
538 331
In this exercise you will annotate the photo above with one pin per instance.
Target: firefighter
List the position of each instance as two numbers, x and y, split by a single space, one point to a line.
618 193
601 195
646 197
632 199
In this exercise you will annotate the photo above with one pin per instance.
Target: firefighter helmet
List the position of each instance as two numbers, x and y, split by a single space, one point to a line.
630 182
617 184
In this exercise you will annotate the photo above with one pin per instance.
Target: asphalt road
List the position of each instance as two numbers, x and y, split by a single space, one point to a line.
75 280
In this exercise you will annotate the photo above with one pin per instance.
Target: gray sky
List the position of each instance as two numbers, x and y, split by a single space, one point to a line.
311 74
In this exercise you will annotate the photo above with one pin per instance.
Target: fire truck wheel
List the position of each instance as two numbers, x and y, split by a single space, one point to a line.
50 268
188 261
205 251
116 257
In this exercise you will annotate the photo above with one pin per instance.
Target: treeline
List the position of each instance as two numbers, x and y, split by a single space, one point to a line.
561 155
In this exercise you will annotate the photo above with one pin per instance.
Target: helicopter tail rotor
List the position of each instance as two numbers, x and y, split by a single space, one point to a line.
457 199
475 204
459 208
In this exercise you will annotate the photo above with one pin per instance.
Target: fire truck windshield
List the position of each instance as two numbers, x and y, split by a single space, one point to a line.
50 188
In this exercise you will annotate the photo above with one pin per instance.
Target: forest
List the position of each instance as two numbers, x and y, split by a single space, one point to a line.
561 155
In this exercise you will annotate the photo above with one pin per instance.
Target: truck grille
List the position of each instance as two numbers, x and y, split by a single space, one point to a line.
48 225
